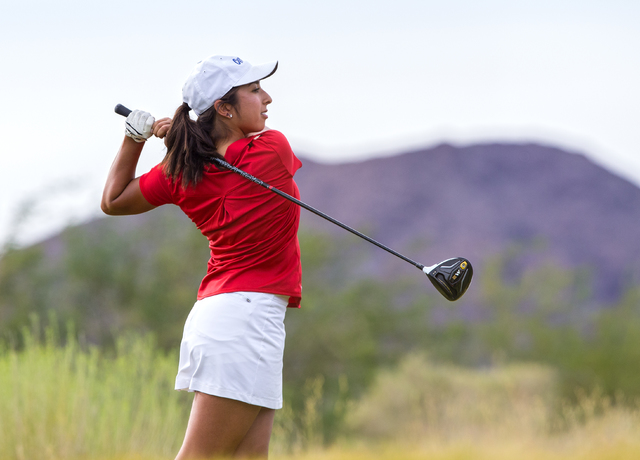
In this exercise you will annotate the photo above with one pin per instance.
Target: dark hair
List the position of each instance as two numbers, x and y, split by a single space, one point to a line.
190 143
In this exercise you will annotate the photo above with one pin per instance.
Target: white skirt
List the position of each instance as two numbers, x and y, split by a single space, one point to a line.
233 346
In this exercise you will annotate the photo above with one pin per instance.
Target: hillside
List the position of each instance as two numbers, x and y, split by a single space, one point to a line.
537 213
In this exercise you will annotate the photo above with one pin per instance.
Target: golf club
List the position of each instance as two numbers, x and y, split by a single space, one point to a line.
450 277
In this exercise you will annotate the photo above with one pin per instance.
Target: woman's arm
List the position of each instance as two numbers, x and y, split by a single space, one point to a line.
122 194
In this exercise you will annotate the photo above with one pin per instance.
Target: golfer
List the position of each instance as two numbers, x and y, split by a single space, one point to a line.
232 347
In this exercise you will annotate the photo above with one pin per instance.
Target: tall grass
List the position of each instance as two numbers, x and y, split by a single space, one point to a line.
70 401
61 399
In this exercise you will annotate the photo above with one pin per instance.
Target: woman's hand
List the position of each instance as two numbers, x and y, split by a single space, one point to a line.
138 125
161 127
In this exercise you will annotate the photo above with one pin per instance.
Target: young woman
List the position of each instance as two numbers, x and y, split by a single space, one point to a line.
233 342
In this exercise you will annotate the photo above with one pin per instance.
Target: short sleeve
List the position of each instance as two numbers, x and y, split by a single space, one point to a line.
280 144
155 187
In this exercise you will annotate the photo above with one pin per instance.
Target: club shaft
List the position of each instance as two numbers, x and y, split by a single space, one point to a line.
317 212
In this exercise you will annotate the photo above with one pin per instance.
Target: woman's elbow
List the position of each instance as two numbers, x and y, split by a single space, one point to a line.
107 208
112 207
123 207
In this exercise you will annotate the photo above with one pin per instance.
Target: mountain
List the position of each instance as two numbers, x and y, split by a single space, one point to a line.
479 200
540 205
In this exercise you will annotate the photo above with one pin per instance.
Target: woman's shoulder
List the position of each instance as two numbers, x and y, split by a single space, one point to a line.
274 141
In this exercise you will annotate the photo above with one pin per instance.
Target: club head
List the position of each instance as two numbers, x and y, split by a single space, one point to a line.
451 277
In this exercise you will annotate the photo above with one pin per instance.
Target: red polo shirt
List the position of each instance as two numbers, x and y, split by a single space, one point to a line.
252 232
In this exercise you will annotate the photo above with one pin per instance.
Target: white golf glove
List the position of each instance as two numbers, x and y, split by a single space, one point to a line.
138 125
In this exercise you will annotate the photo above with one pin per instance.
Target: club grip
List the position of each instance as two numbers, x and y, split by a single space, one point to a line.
122 110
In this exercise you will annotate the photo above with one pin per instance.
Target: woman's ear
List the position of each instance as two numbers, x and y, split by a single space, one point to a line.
224 110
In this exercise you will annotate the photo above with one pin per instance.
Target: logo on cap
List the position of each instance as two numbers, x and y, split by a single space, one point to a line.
237 60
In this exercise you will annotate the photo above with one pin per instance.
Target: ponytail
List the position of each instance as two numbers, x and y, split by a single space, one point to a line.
191 143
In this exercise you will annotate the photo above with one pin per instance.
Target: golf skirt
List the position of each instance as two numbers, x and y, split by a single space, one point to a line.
233 346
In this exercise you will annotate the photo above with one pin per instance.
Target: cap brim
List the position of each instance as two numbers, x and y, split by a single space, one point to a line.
258 72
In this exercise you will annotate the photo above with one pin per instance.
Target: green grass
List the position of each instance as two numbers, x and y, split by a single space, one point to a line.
72 401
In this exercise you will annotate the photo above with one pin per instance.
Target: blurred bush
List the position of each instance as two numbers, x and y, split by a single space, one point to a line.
422 399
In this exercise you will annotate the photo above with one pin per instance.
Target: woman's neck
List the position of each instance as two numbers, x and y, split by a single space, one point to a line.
223 144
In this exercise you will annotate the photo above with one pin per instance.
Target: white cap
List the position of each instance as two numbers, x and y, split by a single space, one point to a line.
214 77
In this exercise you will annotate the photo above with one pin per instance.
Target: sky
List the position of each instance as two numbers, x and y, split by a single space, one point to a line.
356 80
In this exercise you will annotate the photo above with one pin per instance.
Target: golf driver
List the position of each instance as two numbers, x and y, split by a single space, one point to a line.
450 277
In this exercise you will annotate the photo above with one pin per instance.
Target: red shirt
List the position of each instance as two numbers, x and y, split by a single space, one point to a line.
252 232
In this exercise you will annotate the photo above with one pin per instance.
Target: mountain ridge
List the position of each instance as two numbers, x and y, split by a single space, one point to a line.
481 199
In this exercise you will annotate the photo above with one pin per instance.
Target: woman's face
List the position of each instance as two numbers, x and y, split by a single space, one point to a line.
250 114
